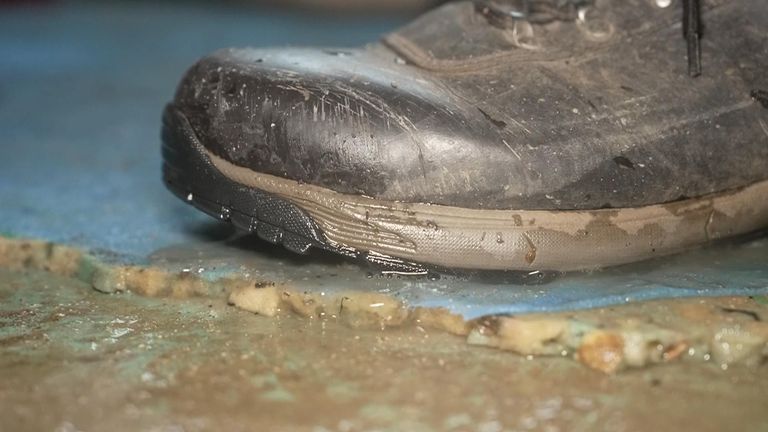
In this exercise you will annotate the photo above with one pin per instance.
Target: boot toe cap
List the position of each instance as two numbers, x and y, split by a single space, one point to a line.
353 121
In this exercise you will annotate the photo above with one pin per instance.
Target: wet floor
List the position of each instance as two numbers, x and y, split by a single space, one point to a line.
80 104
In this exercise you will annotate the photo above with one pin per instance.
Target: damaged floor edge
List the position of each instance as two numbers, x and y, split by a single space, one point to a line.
724 331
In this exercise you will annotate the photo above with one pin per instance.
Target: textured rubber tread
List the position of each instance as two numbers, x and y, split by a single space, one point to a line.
190 175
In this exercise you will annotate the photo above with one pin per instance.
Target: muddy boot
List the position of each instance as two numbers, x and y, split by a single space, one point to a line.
525 135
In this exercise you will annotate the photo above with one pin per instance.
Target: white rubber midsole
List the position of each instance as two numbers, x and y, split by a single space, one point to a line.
457 237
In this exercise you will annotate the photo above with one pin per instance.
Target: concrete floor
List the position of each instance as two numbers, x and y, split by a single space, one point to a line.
75 359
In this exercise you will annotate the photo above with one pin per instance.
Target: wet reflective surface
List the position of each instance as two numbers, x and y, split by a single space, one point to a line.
80 104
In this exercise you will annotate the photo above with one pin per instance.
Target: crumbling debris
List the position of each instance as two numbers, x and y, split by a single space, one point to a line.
727 331
257 298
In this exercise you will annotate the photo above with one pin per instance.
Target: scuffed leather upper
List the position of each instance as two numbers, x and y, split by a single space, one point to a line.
452 110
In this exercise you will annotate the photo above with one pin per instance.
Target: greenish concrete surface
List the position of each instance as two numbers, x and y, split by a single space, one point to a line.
73 359
82 86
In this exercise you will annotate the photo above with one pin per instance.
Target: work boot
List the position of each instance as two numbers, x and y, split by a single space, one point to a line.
515 135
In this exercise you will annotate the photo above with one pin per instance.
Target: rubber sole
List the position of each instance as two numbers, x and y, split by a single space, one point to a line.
190 175
399 235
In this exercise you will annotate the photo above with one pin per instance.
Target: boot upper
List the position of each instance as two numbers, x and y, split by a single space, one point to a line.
467 109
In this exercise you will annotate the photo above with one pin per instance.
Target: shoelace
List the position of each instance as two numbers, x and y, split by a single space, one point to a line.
533 11
692 35
545 11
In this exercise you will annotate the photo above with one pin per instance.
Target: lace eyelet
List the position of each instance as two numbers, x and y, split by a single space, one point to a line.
505 14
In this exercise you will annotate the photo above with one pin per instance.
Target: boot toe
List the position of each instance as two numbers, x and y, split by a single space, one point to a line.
353 121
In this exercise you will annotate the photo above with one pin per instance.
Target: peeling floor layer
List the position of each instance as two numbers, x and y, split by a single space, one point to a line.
124 362
726 331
